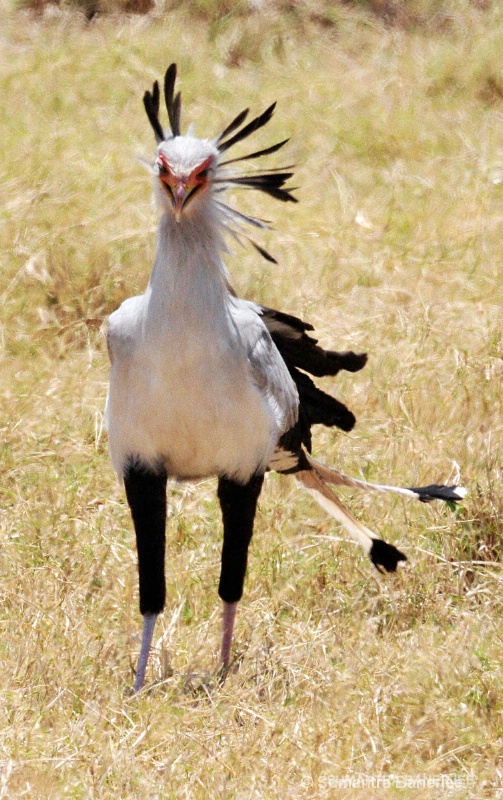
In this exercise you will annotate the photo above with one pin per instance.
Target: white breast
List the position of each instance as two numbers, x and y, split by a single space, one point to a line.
190 401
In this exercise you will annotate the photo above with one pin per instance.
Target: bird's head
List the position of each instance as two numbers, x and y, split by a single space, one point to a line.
185 168
188 169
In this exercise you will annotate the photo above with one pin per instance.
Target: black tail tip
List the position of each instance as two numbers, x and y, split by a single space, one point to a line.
451 494
385 557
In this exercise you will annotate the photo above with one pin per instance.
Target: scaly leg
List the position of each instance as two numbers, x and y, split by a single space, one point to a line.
228 619
146 642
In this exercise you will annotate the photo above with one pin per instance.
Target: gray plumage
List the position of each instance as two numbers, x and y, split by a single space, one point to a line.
204 383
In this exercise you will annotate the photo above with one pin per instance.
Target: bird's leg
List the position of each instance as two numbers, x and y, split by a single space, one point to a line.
239 504
146 495
228 619
146 642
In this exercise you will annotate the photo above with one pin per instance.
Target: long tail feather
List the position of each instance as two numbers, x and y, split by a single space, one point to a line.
383 555
451 494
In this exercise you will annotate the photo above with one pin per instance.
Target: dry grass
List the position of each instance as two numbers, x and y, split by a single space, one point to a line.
395 248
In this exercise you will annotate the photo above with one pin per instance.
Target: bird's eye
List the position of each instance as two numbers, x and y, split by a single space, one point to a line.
162 166
203 174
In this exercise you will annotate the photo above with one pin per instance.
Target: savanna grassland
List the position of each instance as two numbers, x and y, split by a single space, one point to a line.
349 684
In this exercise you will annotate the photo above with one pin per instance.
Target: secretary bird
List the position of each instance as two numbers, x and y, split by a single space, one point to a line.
204 383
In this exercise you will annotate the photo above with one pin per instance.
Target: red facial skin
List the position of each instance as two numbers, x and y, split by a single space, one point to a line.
183 188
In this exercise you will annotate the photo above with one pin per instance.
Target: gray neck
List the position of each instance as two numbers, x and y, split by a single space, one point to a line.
188 282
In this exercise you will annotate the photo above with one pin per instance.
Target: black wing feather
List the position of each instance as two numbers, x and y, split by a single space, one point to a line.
303 351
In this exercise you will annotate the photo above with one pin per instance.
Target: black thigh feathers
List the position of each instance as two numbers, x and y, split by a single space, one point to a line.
238 503
146 495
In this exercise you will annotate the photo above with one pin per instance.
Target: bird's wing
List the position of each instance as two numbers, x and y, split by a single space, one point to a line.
268 369
302 354
121 327
303 351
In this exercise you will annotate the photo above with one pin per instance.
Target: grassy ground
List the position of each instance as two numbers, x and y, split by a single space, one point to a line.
350 684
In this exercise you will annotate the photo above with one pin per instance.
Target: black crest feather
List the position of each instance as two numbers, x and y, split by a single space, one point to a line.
151 103
269 182
236 122
263 252
173 103
252 126
265 152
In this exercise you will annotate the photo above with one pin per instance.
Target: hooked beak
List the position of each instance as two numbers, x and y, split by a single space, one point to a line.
180 194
